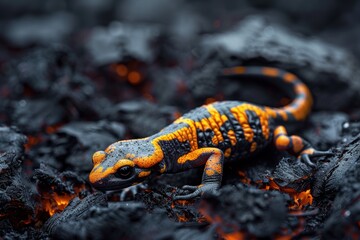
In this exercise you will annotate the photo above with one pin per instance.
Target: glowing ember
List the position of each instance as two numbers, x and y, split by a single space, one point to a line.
121 70
301 199
55 202
134 78
32 141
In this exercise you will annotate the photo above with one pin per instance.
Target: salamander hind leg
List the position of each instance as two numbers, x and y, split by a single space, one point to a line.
213 159
297 146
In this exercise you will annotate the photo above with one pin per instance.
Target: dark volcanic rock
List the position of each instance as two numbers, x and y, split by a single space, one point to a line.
240 208
334 84
44 30
343 222
45 88
330 176
73 144
17 206
91 219
120 41
142 117
326 129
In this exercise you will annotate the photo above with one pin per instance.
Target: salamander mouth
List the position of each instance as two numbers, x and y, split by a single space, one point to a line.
112 184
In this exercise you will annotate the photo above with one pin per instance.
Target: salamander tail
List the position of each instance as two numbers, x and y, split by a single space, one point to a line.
302 101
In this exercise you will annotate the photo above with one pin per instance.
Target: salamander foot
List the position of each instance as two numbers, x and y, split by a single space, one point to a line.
307 155
203 189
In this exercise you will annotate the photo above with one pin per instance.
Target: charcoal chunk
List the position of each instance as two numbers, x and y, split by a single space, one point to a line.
17 205
12 141
73 145
326 129
142 117
345 213
294 174
120 41
44 30
261 213
91 219
330 176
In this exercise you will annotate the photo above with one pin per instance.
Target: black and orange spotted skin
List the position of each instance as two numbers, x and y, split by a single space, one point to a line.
207 136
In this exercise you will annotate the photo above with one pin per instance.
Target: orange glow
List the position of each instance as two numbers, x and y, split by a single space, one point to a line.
54 202
243 178
134 77
121 70
52 129
210 100
301 199
232 231
233 236
57 204
182 218
32 141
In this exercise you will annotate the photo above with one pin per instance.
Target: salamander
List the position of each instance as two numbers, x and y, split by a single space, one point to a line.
208 136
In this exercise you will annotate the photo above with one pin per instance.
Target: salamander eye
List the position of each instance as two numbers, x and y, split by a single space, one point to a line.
124 172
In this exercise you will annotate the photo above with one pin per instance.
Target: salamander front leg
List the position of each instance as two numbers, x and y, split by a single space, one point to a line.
297 146
213 159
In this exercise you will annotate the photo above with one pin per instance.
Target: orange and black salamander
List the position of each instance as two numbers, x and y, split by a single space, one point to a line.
208 136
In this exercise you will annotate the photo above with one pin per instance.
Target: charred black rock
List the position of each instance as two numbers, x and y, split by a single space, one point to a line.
44 30
142 117
73 144
74 211
65 93
90 218
261 213
49 180
330 176
38 71
121 41
32 115
294 174
326 129
12 141
345 214
17 207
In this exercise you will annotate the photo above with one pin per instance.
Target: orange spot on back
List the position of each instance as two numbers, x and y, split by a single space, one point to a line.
235 70
289 77
239 113
271 72
232 136
216 120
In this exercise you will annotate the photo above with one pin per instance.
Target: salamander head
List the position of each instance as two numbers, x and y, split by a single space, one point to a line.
116 167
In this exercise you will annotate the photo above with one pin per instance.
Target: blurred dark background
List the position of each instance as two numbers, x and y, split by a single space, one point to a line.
26 24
